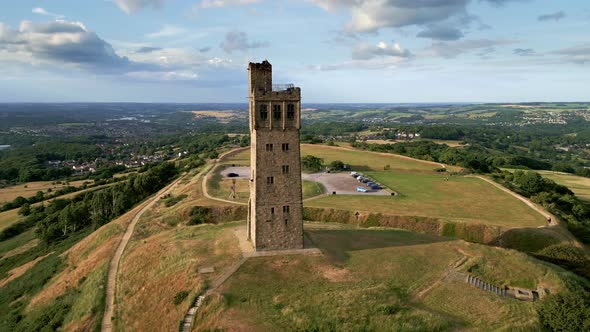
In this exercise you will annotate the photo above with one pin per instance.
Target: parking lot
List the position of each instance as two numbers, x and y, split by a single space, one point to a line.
341 183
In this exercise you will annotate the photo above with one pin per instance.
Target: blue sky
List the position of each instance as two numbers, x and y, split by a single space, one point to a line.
336 50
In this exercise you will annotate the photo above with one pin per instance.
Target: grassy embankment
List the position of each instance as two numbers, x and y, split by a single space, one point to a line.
388 280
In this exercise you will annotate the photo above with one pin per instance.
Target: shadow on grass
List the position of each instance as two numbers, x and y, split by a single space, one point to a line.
337 243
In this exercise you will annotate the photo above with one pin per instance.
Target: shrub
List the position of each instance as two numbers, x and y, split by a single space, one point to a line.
180 297
566 312
199 215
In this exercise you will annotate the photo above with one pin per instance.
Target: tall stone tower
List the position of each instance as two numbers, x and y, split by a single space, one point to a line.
275 209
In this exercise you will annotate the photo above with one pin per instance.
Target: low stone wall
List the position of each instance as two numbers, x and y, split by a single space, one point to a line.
478 233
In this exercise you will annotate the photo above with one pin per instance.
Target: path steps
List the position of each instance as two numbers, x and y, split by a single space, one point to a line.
187 322
484 285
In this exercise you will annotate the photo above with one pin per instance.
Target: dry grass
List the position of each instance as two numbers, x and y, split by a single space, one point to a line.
9 193
358 159
369 278
147 285
8 218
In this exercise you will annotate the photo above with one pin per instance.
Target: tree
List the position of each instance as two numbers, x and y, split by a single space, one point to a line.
312 163
25 210
337 165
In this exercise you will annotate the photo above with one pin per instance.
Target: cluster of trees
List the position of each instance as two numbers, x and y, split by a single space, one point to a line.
558 199
63 217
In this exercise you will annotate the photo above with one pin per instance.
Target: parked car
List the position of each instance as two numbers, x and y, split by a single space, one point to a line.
361 190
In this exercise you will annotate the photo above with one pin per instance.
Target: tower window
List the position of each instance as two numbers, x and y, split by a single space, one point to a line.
285 208
263 112
272 211
285 146
285 169
270 180
276 112
290 111
269 147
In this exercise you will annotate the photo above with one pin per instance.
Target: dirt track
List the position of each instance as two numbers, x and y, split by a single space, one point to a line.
107 319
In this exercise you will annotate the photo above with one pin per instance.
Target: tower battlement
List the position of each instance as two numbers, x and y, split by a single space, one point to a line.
275 209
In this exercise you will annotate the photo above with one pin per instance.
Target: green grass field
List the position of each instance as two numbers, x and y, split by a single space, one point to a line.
423 191
377 280
429 195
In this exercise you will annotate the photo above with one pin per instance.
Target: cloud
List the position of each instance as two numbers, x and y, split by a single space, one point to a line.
205 49
167 30
133 6
63 42
524 52
41 11
552 17
372 15
440 32
148 49
578 54
366 52
456 48
163 75
224 3
238 41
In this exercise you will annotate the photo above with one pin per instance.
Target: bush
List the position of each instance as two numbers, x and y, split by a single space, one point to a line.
172 200
199 215
180 297
566 312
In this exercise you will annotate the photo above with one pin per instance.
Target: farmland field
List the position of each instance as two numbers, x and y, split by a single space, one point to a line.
31 188
386 280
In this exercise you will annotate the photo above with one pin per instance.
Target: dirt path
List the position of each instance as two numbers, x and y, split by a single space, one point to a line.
107 319
210 170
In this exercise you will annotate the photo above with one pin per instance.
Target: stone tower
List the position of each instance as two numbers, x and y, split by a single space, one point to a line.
275 209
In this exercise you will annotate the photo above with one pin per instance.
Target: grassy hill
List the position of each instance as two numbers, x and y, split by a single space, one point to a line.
385 280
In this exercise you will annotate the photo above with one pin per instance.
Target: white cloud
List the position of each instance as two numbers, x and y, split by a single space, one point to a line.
163 75
167 30
61 42
224 3
41 11
365 52
133 6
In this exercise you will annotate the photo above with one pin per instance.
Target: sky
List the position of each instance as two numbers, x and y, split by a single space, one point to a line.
337 51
